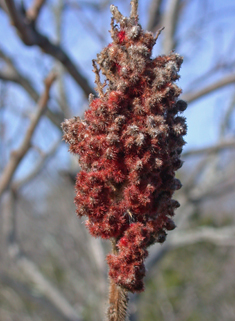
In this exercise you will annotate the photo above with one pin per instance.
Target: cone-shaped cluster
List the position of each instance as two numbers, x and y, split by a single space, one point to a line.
129 147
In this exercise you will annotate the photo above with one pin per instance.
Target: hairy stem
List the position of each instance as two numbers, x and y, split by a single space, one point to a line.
118 297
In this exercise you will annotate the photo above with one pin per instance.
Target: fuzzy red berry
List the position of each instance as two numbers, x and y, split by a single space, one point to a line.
129 145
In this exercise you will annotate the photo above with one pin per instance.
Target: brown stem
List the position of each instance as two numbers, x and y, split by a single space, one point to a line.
17 155
134 8
118 297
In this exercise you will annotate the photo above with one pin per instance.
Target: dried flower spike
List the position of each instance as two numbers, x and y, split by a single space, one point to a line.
129 145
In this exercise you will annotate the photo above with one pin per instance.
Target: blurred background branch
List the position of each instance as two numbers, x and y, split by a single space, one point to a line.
17 155
31 37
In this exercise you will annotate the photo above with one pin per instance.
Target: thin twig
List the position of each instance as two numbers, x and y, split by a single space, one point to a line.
210 150
3 6
219 236
154 15
192 96
134 9
17 20
17 155
213 193
33 12
100 86
227 117
158 33
170 22
63 101
116 13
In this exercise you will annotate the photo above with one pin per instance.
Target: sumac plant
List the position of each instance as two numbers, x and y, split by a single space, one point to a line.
129 145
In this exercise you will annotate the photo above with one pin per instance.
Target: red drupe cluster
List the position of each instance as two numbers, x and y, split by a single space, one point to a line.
129 145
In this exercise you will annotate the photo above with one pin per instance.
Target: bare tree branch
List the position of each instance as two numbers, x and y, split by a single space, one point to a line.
17 20
33 12
213 193
12 74
227 117
28 267
97 255
199 169
169 22
31 37
156 257
26 292
191 96
134 8
154 15
37 169
17 156
158 33
210 150
31 271
223 236
3 6
58 14
224 66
